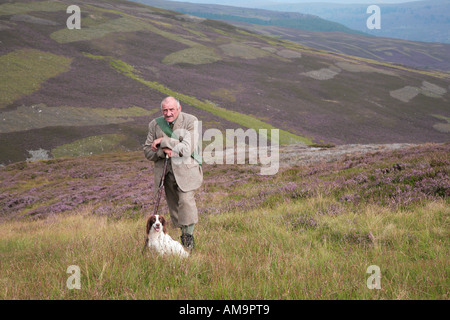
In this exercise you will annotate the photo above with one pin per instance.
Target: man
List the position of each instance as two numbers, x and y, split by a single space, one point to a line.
184 172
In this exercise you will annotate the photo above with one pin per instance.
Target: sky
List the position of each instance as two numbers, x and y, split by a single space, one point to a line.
249 3
343 1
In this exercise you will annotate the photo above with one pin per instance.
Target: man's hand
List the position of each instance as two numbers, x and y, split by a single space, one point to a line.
155 146
156 143
168 151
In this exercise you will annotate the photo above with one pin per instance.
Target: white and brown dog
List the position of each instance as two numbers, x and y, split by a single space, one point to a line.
158 239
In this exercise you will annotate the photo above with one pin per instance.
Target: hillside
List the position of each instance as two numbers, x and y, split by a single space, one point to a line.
421 55
414 21
309 232
121 184
79 92
312 31
255 16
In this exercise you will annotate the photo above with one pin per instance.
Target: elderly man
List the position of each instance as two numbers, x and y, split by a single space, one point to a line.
173 135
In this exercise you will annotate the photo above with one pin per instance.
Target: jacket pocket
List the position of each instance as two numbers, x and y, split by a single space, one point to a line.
192 165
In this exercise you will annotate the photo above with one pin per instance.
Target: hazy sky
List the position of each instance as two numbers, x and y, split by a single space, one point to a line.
249 3
342 1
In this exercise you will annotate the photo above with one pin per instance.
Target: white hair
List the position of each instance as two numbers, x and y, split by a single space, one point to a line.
165 101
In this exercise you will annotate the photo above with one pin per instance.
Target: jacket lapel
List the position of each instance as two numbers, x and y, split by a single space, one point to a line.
179 122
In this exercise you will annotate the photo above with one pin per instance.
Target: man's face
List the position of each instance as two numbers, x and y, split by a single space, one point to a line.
170 111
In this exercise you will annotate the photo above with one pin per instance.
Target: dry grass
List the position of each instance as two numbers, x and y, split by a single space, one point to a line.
259 254
309 232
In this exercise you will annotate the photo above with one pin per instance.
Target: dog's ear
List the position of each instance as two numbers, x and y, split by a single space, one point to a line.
163 222
150 222
148 226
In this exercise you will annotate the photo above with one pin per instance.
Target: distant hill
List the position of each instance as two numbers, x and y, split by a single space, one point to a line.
427 21
255 16
422 55
318 33
93 90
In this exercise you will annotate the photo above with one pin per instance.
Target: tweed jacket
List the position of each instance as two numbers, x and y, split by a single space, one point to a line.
188 173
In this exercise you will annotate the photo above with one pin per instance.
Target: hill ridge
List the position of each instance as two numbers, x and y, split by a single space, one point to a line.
229 77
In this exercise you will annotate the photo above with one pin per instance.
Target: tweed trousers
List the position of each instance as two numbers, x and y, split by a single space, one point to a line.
182 207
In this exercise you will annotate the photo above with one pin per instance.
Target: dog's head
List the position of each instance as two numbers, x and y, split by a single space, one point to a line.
156 223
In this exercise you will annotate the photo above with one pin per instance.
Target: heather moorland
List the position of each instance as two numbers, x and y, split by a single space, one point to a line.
308 232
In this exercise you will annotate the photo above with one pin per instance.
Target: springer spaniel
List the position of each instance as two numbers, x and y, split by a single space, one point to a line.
160 241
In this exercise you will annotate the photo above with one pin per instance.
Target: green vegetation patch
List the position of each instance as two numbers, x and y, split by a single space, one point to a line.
25 7
91 145
242 51
41 116
441 117
123 24
428 89
24 71
124 112
353 67
226 94
96 26
195 55
244 120
324 73
442 126
431 90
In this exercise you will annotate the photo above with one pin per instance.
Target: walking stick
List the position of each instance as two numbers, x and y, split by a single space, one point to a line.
158 199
